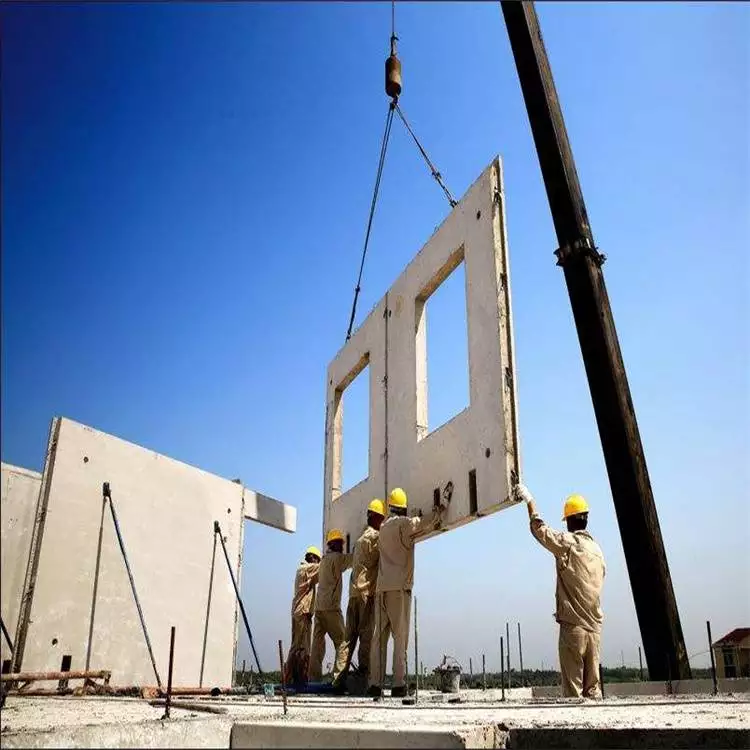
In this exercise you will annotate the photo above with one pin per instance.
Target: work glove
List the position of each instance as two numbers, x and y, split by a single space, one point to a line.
521 494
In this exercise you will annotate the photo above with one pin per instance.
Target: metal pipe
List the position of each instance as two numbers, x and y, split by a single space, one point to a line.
601 680
57 676
108 494
640 662
208 611
168 701
96 581
507 653
191 706
645 555
283 681
520 650
502 668
713 661
484 675
217 530
416 652
471 673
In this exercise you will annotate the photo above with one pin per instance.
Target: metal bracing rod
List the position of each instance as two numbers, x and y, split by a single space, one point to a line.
208 612
217 530
97 568
650 580
108 495
6 634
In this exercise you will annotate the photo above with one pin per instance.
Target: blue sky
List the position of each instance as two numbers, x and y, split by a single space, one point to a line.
184 194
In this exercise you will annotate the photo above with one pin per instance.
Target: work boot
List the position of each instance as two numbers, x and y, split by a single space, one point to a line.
398 692
374 692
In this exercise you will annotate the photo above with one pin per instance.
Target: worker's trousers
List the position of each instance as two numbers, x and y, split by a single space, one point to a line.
360 621
302 631
327 623
392 613
579 661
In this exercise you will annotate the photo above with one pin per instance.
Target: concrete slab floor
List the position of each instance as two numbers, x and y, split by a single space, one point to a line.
320 722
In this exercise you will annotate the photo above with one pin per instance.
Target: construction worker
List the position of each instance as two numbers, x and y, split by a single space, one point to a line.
393 590
328 618
580 575
303 603
361 609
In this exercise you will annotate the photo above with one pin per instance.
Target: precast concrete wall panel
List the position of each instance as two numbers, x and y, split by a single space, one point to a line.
19 491
472 461
166 510
367 349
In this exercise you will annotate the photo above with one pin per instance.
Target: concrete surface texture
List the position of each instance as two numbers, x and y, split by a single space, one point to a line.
473 458
319 723
19 490
166 510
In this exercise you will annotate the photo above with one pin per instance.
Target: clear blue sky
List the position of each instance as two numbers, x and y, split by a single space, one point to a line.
184 192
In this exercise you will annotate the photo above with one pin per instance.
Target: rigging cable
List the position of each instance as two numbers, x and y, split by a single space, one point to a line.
381 162
393 90
438 177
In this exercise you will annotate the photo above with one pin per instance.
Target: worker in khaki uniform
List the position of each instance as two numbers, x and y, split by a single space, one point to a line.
393 591
303 603
328 618
580 576
360 611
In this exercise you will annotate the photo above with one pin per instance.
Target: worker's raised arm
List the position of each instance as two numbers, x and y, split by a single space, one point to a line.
423 524
554 541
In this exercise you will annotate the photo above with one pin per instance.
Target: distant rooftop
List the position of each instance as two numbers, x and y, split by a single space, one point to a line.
733 637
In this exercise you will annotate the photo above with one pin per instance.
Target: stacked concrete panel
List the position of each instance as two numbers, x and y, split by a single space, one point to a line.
472 461
166 511
19 490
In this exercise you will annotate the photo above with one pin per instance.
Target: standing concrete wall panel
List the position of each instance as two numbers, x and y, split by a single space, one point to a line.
473 459
166 511
19 491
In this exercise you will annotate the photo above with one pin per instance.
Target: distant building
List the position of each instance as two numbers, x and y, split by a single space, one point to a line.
732 654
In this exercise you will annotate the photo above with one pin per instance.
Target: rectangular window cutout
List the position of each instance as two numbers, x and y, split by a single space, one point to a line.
351 446
442 348
473 492
436 497
6 666
348 544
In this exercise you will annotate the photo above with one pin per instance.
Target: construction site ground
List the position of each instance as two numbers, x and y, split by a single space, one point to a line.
481 720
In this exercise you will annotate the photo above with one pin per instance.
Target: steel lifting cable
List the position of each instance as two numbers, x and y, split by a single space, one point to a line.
393 89
438 177
381 163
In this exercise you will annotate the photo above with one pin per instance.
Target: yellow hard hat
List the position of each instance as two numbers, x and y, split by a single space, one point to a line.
397 498
334 534
574 505
313 551
377 506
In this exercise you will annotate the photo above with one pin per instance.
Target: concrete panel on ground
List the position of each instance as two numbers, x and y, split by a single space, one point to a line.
166 510
648 688
474 458
19 491
312 735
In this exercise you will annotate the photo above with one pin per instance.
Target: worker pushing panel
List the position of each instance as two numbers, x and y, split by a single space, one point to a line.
472 461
